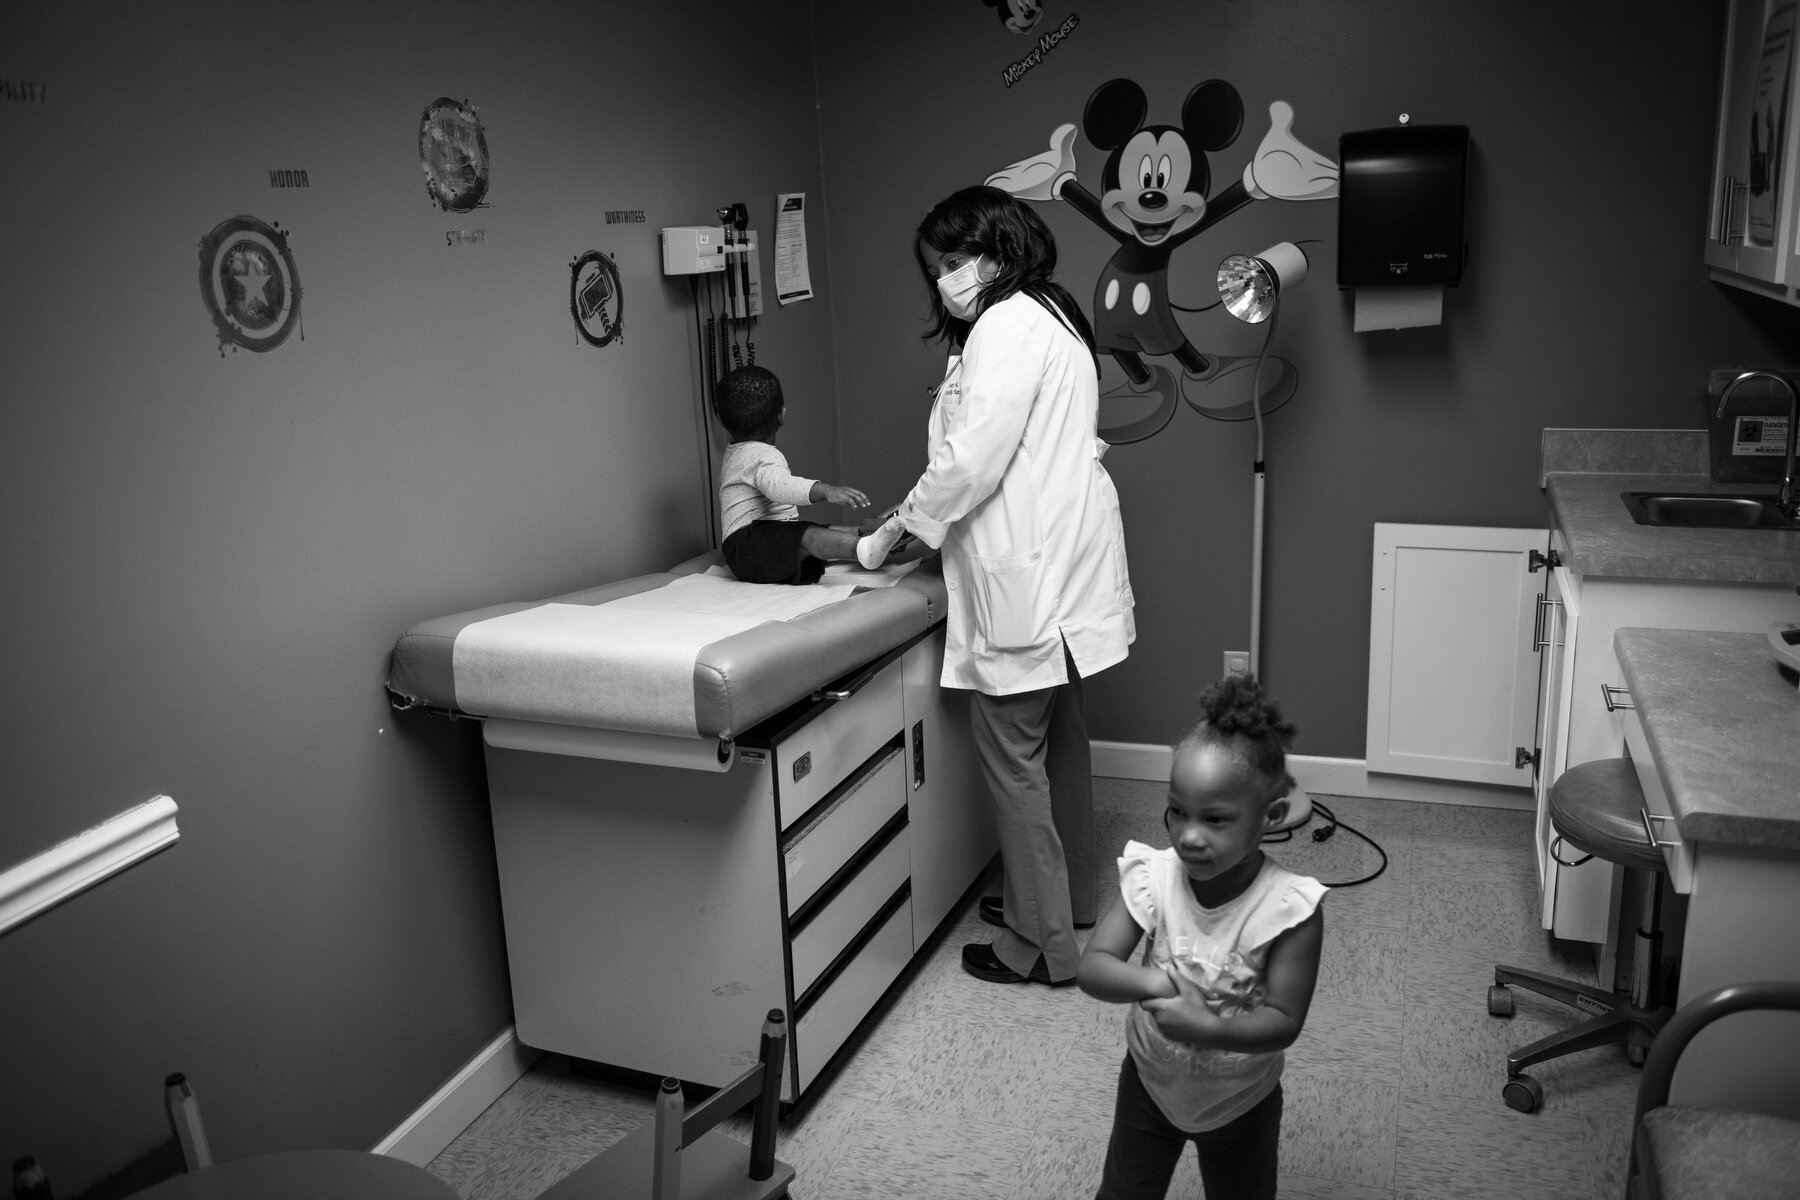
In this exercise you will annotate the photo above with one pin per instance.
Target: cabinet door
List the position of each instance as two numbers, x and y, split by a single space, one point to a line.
1452 673
1752 206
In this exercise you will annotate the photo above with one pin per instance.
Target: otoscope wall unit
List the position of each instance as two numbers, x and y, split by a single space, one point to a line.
716 249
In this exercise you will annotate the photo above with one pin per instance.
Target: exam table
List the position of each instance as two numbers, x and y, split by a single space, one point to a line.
712 799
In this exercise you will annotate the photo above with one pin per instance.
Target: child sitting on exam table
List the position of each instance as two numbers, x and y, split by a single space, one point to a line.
764 539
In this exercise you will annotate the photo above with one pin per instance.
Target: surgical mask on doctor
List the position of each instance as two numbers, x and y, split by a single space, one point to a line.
960 288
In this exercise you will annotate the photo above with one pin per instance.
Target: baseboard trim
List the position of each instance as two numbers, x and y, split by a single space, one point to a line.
1323 777
464 1096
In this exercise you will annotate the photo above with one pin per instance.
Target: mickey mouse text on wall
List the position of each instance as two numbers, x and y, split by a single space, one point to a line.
1153 198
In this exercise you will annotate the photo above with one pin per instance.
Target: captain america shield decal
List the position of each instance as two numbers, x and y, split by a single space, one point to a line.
249 283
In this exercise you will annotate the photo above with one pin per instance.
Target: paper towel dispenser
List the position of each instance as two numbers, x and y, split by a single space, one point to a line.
1400 205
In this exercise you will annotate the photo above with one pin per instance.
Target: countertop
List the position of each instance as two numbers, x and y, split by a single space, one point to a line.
1603 540
1723 724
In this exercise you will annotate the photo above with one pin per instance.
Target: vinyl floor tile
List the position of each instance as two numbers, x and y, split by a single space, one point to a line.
969 1089
923 1156
1059 1167
993 1074
519 1173
1448 1146
1364 964
1353 1039
1338 1128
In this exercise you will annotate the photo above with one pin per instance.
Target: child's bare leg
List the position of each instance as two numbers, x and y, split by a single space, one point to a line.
833 543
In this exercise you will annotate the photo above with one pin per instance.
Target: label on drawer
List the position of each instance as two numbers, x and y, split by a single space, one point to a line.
796 859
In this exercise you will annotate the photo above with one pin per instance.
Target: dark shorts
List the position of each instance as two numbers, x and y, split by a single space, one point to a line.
770 552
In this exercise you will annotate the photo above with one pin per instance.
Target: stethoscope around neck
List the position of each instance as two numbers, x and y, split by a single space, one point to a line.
955 368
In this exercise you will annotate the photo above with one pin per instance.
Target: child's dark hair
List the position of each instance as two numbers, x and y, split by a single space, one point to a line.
987 221
1239 715
748 401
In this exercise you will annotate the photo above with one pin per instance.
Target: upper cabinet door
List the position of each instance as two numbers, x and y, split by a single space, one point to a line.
1752 213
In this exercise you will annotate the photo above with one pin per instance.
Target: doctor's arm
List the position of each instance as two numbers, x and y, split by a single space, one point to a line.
1002 369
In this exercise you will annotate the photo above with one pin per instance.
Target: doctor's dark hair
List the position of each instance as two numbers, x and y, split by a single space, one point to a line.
989 222
1238 715
748 401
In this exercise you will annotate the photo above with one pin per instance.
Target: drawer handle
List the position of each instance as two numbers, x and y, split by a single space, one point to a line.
848 689
1610 694
1650 830
1538 641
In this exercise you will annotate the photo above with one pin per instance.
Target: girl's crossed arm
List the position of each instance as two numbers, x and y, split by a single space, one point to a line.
1107 972
1293 969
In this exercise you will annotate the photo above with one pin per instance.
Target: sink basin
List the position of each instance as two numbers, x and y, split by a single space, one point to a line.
1704 510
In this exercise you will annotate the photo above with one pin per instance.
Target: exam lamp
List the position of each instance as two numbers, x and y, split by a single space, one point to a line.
1250 287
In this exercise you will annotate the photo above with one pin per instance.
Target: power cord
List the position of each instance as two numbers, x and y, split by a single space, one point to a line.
1324 832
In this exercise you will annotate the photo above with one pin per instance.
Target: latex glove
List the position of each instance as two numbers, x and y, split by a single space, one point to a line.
1042 177
1285 168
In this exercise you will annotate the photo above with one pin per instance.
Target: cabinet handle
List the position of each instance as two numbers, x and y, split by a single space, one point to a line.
1538 640
1736 210
848 689
1610 694
1650 830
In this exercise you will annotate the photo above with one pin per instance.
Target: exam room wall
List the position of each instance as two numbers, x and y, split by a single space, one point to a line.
1585 302
208 558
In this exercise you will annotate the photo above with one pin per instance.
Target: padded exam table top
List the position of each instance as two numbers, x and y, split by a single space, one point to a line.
640 655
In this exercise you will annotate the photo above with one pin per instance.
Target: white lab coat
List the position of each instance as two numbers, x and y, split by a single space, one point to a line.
1028 519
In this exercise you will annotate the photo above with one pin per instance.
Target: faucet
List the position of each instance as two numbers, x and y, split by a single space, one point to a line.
1787 498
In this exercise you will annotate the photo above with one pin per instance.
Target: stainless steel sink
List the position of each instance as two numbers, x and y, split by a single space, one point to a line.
1703 510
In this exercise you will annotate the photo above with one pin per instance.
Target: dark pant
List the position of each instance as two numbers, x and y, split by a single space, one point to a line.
1237 1161
771 552
1035 755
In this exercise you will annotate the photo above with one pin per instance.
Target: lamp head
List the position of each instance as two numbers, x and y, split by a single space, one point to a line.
1250 285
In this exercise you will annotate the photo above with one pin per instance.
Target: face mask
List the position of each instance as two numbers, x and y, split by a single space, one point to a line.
960 288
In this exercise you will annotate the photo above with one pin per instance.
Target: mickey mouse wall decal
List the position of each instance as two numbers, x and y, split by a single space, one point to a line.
1153 199
1020 16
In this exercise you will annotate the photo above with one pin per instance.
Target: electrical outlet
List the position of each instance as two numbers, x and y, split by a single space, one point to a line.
1237 662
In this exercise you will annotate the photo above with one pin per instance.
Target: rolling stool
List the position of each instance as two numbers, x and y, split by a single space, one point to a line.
1596 807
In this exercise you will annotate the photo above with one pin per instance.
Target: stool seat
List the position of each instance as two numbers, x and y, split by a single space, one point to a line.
1597 807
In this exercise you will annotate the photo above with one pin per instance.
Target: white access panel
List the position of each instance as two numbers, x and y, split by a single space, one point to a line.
1453 671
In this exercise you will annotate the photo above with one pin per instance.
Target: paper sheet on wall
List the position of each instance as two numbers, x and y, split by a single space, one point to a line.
793 279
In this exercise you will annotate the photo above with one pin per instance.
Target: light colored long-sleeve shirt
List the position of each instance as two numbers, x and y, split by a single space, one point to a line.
756 485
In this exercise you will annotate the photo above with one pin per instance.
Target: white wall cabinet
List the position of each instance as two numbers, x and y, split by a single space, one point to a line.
1753 231
655 914
1453 674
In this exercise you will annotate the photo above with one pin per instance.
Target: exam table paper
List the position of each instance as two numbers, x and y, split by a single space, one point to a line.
626 664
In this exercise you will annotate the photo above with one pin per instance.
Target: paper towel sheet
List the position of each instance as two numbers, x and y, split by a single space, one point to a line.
1398 308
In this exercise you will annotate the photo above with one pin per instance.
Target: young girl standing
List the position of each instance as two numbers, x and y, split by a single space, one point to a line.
1234 955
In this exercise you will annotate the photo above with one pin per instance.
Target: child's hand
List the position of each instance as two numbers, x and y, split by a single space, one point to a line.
1184 1016
844 495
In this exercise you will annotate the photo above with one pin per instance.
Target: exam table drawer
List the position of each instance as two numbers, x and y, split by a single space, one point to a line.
831 837
814 759
830 1020
817 943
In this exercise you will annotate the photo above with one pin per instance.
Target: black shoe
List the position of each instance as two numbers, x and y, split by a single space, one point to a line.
980 961
994 914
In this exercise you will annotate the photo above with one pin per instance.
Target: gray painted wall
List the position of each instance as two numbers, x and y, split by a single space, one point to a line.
209 558
1585 302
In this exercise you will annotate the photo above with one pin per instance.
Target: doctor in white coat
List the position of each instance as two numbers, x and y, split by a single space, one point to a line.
1033 558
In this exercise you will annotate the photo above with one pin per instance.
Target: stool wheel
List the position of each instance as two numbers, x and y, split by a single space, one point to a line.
1635 1053
1524 1093
1500 1002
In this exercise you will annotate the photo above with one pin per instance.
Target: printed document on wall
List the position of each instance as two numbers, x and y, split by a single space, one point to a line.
793 281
